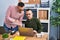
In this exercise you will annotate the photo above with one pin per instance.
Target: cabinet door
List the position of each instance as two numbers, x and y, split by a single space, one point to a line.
31 1
43 14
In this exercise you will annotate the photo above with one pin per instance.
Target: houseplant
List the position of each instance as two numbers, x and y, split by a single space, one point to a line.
55 20
5 36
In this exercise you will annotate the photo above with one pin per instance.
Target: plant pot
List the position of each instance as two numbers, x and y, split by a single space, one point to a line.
5 38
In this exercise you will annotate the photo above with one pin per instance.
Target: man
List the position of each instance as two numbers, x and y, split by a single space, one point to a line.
14 17
32 22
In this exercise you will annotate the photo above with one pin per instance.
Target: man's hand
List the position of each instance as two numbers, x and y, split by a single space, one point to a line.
35 32
17 23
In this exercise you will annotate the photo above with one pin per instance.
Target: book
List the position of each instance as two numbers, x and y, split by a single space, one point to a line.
30 1
42 14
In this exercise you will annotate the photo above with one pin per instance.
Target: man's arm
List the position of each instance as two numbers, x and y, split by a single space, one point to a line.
39 26
8 13
21 19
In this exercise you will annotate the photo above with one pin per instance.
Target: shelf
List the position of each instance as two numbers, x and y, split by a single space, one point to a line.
41 16
44 21
43 8
39 8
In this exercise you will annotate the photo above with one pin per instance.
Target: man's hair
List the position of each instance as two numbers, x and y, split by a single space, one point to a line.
28 9
21 4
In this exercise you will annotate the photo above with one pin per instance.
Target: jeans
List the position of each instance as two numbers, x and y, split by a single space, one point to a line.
7 29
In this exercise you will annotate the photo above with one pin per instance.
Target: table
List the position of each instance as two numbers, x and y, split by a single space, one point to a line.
44 37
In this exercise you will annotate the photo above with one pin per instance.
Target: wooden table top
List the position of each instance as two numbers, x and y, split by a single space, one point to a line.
27 38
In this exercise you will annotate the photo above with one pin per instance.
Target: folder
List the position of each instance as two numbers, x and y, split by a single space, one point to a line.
19 38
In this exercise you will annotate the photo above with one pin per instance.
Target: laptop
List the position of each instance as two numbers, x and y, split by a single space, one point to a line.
26 31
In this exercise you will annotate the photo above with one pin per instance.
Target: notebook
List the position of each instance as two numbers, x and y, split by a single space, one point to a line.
19 38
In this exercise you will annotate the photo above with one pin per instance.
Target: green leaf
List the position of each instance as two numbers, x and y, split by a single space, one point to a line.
5 35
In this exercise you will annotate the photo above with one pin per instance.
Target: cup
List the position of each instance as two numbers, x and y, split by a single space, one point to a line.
38 35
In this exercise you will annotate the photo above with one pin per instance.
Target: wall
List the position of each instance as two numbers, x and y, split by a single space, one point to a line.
3 7
53 30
